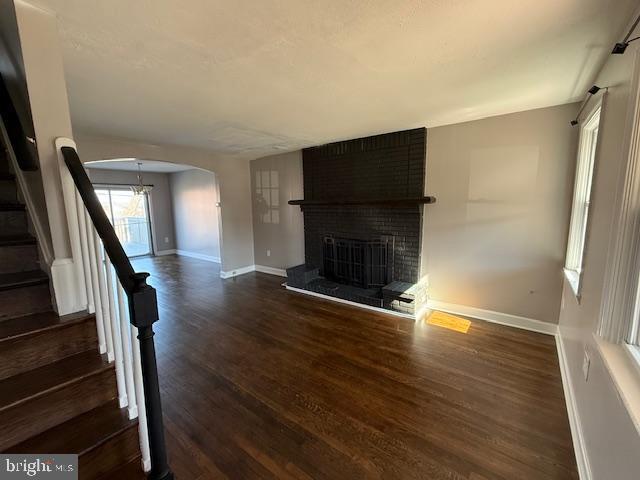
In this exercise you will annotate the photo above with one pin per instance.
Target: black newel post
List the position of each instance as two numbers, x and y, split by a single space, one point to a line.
143 309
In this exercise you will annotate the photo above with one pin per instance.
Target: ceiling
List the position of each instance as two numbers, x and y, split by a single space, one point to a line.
253 78
131 164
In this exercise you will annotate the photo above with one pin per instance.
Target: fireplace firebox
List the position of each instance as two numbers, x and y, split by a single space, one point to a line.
362 263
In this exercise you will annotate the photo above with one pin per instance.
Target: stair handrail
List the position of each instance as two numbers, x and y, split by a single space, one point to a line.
24 146
143 310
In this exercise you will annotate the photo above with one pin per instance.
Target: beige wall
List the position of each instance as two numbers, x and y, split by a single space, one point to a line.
194 195
284 240
611 441
496 237
233 180
41 66
161 210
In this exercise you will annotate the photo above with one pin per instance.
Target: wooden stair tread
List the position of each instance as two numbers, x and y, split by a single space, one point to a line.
15 240
80 434
129 471
9 281
39 381
11 207
38 322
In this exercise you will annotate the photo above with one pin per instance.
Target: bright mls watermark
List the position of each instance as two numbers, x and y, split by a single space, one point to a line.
48 466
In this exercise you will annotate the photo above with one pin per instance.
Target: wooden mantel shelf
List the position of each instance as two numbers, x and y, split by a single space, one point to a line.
386 201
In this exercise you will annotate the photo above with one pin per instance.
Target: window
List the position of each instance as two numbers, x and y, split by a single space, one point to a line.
581 199
129 215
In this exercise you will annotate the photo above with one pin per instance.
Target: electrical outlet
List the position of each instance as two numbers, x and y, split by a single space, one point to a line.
586 363
166 239
268 253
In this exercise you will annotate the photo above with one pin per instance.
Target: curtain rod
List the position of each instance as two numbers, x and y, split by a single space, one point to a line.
590 93
620 47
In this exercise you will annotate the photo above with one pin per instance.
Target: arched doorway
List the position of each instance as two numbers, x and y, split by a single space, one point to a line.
160 208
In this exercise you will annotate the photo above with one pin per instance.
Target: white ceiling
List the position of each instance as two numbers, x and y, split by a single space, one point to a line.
131 164
256 77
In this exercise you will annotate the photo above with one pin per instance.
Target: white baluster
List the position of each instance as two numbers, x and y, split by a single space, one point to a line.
143 431
126 350
115 333
93 265
84 248
104 296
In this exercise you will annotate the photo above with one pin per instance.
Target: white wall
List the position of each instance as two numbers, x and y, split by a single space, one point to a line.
233 179
194 196
496 237
161 209
611 441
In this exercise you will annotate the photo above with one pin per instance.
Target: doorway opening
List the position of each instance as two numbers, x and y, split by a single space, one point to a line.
129 215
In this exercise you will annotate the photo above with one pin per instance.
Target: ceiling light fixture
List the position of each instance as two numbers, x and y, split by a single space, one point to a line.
590 93
141 188
620 47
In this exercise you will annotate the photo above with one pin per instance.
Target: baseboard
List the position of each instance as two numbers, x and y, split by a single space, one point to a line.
579 446
199 256
161 253
348 302
271 270
237 271
495 317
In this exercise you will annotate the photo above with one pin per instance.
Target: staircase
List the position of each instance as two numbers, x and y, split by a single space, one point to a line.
58 394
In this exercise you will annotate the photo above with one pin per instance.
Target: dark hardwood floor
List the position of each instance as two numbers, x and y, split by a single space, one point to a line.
259 382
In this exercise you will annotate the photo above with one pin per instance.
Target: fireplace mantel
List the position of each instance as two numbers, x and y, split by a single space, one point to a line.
374 201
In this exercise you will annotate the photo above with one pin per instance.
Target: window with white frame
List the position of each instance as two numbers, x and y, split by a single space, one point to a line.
581 199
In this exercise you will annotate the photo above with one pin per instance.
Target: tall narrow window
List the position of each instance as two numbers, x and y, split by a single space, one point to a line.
581 200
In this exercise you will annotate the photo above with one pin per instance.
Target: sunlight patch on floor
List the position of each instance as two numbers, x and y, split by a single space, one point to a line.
452 322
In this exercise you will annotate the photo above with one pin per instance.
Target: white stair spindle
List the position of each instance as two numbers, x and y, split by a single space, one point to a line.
126 351
84 247
93 265
142 412
104 297
116 334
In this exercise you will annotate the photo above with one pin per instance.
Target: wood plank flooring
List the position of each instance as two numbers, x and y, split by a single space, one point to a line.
260 382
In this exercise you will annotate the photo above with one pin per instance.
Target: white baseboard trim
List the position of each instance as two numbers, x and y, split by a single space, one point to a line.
161 253
271 270
579 446
237 271
199 256
348 302
495 317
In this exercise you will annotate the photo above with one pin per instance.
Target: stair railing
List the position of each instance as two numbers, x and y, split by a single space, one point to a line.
124 304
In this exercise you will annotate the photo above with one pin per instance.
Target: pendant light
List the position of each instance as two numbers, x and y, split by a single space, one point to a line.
140 188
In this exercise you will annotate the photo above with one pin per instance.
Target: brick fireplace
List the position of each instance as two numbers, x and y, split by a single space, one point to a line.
363 205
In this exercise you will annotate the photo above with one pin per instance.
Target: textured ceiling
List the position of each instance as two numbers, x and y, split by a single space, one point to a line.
256 77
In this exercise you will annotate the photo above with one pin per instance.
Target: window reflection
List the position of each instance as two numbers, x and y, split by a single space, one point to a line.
268 195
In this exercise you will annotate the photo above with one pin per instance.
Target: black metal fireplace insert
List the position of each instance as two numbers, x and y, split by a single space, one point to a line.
362 263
